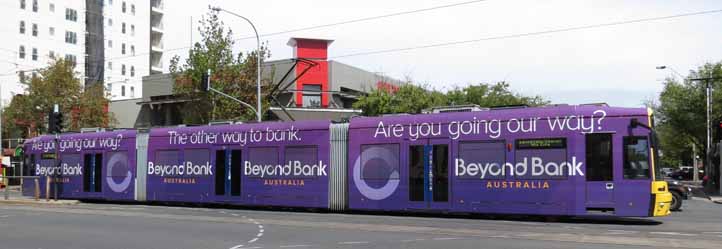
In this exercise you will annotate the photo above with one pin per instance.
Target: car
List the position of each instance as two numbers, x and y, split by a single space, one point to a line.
679 192
667 171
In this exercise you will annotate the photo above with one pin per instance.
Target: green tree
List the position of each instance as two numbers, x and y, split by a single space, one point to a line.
681 113
232 74
411 98
27 113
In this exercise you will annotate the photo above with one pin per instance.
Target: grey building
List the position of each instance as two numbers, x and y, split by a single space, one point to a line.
308 86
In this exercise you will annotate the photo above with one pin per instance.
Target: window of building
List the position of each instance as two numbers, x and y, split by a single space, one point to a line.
71 15
35 5
51 7
110 2
132 71
132 50
110 22
132 92
22 4
22 27
110 43
35 54
51 54
122 48
21 75
311 95
71 37
122 29
110 65
51 31
71 58
122 91
122 69
132 9
21 52
123 7
35 29
132 30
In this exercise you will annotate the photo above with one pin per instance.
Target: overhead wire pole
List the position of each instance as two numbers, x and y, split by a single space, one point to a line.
258 61
695 168
708 160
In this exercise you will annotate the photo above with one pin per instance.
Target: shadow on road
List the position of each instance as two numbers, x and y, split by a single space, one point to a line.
593 219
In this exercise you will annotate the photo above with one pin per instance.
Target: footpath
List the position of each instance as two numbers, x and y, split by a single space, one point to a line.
716 199
15 197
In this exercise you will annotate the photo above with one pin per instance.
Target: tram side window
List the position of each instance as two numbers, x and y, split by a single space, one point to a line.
636 158
551 153
258 157
304 156
380 161
473 156
29 165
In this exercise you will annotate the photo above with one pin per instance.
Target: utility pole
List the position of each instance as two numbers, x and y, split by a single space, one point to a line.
708 159
695 169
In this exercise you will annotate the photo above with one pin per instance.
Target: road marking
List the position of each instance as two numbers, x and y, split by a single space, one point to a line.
619 232
673 233
412 240
353 242
260 226
234 214
253 240
236 247
291 246
500 236
260 231
4 216
444 238
712 232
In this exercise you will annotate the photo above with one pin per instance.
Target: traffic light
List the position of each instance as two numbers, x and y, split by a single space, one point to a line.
718 132
206 81
55 122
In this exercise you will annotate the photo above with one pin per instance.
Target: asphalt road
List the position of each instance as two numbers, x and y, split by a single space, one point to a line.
116 226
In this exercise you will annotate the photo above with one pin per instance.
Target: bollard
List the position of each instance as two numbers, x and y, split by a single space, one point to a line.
7 194
37 189
55 190
47 188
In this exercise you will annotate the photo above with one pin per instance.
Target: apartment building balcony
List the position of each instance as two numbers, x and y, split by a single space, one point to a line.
156 6
156 61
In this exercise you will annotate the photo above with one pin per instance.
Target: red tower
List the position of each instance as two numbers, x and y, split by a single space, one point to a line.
317 76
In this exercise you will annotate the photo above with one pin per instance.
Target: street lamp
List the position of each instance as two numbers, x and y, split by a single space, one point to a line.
258 62
662 67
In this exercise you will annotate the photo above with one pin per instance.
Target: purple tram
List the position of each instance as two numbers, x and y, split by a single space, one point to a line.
554 160
89 165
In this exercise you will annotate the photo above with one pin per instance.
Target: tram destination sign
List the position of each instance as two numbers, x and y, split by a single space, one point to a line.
541 143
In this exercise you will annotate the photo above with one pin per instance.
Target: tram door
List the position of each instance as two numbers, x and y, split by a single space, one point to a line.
93 172
599 172
429 182
228 173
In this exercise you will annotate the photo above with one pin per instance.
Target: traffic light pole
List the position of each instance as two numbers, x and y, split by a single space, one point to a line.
208 87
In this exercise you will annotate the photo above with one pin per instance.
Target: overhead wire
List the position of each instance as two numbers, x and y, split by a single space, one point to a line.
536 33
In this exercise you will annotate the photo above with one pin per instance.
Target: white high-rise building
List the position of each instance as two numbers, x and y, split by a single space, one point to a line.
114 42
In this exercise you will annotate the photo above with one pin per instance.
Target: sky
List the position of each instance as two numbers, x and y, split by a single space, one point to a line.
612 64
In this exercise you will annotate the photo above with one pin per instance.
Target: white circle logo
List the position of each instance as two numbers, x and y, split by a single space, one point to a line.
383 155
119 160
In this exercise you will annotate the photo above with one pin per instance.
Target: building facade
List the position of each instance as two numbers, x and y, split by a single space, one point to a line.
309 86
112 42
